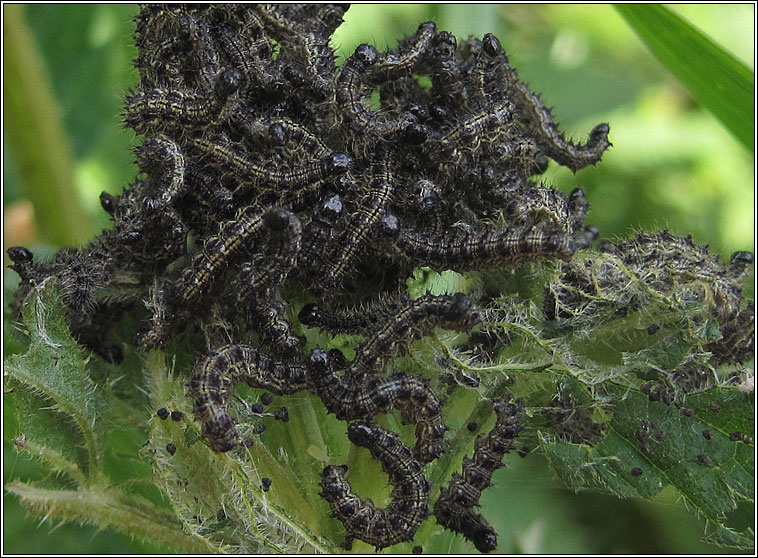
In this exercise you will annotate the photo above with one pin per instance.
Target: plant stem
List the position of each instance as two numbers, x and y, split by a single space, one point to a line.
106 509
37 138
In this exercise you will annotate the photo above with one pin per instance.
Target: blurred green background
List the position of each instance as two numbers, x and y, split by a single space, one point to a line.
672 166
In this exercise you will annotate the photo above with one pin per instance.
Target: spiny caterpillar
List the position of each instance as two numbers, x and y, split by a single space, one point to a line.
455 507
220 371
362 519
364 400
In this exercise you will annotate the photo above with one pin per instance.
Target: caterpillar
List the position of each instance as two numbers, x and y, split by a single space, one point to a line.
545 208
409 394
488 73
445 74
161 317
281 132
216 375
358 320
264 274
380 527
267 316
320 232
411 320
156 110
351 88
454 508
311 52
408 56
251 57
552 140
286 184
206 266
162 159
370 209
217 251
474 250
470 132
202 52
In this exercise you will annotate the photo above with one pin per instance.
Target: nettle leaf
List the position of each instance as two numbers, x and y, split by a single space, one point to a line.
58 405
263 494
668 353
651 445
218 497
62 420
110 508
48 436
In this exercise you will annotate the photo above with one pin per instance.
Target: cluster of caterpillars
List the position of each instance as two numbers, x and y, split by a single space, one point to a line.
662 266
264 164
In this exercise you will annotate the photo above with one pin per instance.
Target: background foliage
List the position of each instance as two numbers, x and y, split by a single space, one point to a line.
673 166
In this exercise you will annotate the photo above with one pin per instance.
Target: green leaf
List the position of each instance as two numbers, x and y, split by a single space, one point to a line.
714 77
690 451
52 375
47 437
56 460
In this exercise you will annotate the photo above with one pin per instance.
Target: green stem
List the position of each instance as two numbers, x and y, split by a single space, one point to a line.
106 509
276 510
37 137
55 459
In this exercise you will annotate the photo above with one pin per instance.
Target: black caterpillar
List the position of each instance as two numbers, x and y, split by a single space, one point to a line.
397 522
412 319
220 371
410 395
454 508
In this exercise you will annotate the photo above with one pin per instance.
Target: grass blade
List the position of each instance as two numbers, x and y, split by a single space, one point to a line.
715 78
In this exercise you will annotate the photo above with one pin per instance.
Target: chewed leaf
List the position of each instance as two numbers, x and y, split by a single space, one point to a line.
668 353
727 537
651 445
53 379
256 229
582 466
729 410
